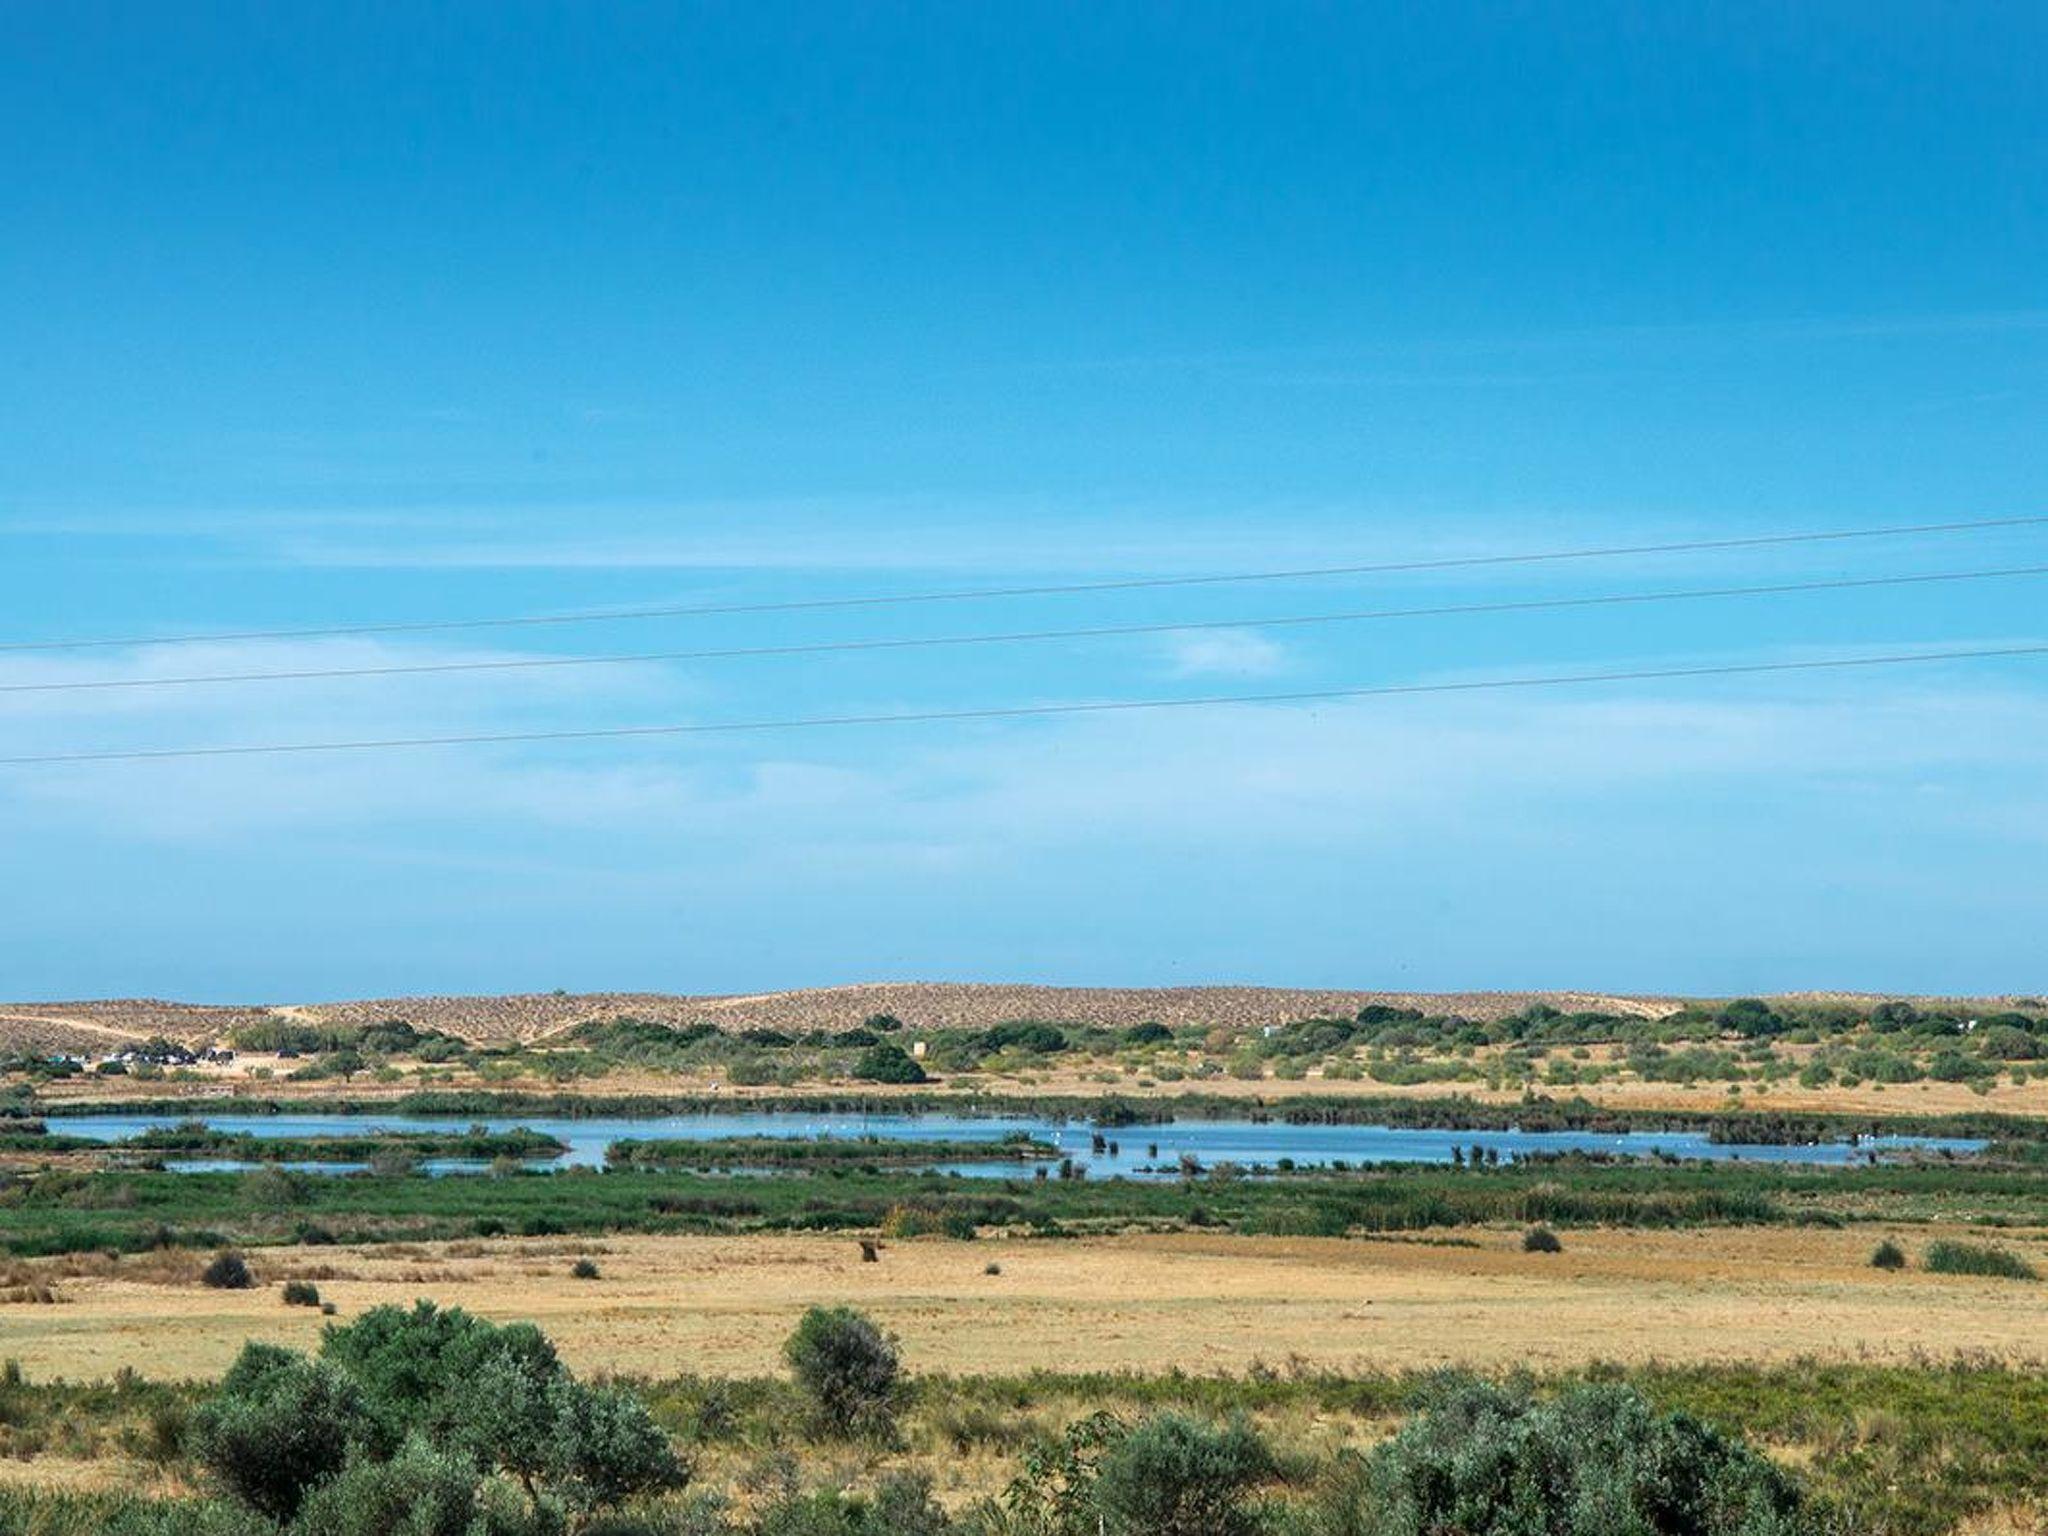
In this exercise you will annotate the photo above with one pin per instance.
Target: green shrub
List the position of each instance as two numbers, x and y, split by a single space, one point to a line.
301 1293
471 1404
281 1424
1480 1460
1175 1476
850 1369
1951 1258
1888 1255
605 1447
418 1492
1541 1240
888 1063
584 1269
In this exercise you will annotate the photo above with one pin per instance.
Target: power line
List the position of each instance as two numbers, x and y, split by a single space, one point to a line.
1280 621
1032 711
978 594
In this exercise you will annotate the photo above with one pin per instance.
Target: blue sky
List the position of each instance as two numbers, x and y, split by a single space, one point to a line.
324 315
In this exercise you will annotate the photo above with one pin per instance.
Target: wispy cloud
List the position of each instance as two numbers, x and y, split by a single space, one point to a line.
1332 775
1224 653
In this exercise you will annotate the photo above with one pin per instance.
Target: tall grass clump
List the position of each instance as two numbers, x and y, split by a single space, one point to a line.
1888 1255
1952 1258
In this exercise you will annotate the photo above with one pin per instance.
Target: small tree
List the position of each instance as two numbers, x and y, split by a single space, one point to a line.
850 1368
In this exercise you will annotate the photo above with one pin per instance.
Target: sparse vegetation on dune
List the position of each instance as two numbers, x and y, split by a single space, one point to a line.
1807 1050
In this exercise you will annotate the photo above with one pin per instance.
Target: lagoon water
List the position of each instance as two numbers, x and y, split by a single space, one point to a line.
1130 1153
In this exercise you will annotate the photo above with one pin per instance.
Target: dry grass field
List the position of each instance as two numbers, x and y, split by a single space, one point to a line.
1201 1303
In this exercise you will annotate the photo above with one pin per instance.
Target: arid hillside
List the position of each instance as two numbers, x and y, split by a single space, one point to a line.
95 1026
99 1026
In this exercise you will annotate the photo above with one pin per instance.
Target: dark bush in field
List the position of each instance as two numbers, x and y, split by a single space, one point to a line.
228 1271
1950 1258
850 1369
1021 1035
301 1293
1541 1240
1888 1255
584 1269
1597 1461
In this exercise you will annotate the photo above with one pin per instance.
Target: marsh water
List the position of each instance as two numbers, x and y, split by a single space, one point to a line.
1151 1150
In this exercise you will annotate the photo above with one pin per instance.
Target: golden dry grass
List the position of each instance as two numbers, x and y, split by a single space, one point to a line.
1204 1303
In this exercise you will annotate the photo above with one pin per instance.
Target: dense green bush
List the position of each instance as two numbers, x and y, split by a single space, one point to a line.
427 1410
1176 1476
1888 1255
850 1369
422 1492
887 1063
281 1425
1168 1475
1021 1035
1480 1460
1541 1240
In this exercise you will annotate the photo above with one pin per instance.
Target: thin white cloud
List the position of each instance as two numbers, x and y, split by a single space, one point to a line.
1224 653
